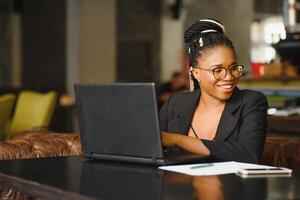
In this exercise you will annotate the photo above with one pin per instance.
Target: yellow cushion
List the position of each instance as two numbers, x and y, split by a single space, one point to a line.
33 110
6 105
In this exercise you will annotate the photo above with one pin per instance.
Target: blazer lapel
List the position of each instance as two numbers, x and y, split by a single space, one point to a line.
187 109
229 118
183 115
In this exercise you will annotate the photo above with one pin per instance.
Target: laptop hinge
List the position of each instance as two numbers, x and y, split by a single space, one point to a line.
158 161
88 154
143 160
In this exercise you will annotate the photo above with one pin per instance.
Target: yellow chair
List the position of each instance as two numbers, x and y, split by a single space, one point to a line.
33 111
6 105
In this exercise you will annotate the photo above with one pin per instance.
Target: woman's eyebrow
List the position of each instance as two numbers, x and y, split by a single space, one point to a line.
216 65
220 65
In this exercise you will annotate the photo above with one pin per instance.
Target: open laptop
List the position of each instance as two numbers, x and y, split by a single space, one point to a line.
120 122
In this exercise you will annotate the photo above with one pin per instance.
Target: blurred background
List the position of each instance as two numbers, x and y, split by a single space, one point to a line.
48 45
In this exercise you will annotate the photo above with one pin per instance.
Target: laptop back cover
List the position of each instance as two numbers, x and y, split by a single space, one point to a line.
119 119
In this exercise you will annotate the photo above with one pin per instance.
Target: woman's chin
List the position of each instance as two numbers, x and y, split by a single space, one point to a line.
224 93
224 96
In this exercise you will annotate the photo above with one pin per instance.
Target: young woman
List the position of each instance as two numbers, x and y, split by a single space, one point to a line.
217 118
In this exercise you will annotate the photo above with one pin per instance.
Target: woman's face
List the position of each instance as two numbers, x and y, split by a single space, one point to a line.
219 56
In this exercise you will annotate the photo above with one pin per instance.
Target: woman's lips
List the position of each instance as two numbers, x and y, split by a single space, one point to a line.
226 87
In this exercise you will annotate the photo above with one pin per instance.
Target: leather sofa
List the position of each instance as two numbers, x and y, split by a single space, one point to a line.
282 152
40 144
278 151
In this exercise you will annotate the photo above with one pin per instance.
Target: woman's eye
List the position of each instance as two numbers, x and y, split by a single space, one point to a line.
217 70
234 68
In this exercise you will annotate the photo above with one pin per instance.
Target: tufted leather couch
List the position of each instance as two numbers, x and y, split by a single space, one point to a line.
278 151
282 152
40 144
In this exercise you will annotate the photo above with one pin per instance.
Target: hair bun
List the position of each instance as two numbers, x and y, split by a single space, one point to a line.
202 26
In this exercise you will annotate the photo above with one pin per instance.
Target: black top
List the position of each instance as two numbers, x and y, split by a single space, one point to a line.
242 128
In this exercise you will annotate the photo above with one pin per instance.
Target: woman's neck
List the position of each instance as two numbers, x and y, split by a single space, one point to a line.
210 103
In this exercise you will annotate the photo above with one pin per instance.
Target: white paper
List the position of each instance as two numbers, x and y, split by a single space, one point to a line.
214 169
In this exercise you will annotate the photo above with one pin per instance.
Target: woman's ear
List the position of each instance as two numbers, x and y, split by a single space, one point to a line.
195 73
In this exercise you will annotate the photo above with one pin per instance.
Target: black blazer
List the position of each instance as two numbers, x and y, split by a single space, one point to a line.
242 128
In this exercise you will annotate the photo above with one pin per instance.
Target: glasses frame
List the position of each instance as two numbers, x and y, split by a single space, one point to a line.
226 70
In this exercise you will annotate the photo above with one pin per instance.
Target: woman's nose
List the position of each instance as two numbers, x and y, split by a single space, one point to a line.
228 76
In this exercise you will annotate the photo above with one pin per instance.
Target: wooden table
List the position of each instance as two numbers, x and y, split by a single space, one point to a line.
76 178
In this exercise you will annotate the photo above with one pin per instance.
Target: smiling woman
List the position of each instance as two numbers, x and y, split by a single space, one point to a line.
215 118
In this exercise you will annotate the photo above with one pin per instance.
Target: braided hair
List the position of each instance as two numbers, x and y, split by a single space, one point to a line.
204 34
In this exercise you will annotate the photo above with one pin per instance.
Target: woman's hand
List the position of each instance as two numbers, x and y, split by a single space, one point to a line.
169 139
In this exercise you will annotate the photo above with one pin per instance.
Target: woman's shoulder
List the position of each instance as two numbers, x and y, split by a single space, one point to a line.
253 96
183 99
246 93
184 96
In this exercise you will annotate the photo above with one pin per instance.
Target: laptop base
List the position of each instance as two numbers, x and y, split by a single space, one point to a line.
171 159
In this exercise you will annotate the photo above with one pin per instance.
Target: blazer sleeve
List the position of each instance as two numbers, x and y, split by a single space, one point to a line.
163 116
252 134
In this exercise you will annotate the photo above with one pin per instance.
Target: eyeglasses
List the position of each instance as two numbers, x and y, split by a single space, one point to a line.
220 73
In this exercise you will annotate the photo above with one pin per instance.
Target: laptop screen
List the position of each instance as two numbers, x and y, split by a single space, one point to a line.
119 119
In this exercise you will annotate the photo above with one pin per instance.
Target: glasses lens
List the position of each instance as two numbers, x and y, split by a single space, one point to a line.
237 70
219 73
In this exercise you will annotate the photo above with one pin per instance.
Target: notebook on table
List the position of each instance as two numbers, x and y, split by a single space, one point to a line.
119 122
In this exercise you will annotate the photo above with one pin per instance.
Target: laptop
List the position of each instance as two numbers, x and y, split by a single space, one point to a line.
119 122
